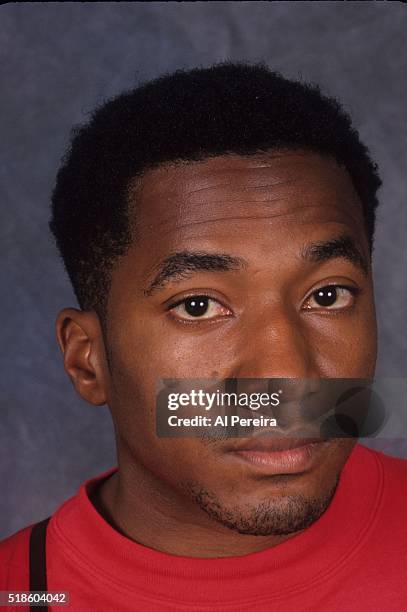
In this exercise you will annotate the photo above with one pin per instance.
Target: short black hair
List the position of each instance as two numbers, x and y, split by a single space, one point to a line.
228 108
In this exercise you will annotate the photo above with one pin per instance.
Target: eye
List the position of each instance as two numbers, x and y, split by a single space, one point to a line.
331 297
198 307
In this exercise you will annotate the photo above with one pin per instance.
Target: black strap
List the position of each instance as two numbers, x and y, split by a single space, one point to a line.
38 563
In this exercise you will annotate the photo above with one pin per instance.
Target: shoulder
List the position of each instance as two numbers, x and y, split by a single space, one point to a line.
394 468
395 474
386 544
392 473
14 556
14 550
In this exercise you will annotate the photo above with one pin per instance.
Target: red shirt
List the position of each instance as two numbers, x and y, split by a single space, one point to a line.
354 557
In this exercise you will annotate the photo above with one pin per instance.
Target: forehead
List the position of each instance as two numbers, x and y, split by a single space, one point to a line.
222 198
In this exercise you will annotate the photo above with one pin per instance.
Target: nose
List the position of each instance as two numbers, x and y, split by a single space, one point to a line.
279 348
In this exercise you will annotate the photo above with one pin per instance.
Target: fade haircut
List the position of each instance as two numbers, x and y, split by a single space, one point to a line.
228 108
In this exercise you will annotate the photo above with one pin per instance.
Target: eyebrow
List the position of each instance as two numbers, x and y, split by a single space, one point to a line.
178 265
342 247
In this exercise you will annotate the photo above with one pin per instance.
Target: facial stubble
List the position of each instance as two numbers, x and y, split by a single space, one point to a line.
284 515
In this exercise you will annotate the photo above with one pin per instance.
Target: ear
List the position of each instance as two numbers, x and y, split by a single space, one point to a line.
80 339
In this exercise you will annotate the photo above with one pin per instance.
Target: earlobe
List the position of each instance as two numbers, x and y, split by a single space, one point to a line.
80 339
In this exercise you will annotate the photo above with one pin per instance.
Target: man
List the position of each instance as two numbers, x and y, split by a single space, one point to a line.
218 223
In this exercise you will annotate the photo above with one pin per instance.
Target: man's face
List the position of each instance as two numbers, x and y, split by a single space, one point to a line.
266 217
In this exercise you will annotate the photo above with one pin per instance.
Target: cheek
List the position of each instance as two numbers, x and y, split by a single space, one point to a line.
169 350
142 354
133 407
346 346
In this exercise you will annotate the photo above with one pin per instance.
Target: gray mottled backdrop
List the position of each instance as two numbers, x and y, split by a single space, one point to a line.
57 61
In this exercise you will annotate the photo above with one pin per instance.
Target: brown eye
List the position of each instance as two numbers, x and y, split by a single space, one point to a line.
196 306
326 296
331 297
199 307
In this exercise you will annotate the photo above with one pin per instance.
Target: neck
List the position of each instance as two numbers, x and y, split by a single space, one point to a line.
147 511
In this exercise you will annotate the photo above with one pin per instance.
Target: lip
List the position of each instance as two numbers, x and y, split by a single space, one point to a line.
278 441
280 456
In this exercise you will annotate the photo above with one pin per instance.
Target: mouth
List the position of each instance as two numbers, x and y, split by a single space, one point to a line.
280 455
